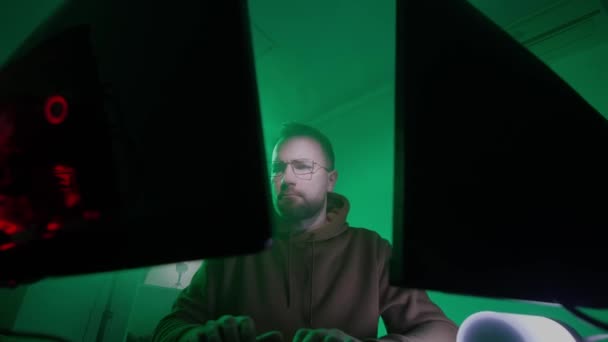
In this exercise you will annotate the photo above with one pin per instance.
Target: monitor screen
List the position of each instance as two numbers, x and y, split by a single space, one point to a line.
501 186
130 135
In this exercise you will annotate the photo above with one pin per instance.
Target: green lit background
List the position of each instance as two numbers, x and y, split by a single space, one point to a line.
329 64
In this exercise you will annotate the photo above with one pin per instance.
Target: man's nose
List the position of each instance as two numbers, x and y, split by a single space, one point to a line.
289 176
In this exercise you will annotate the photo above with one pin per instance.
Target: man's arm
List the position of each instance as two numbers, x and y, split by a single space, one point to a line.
409 314
190 310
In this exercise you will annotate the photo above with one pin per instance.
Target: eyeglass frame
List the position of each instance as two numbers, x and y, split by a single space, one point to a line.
290 163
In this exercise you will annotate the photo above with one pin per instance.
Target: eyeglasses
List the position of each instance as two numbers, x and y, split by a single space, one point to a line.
302 168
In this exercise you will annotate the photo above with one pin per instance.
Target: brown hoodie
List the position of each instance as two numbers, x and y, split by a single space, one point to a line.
335 276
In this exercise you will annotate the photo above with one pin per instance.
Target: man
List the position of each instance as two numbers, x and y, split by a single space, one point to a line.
320 280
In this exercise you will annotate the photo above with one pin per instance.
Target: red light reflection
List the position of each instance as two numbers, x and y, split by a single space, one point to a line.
66 175
9 227
56 103
90 215
53 226
7 246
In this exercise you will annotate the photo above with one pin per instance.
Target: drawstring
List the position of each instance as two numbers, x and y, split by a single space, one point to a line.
289 271
312 273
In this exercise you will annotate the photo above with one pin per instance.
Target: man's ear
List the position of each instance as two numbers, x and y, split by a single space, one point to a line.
333 178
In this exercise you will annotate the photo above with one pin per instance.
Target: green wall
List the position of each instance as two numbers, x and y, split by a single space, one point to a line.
362 132
72 307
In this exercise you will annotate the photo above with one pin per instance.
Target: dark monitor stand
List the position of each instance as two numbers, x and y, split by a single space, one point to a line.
501 185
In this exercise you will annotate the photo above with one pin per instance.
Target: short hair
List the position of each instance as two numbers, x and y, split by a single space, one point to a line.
293 129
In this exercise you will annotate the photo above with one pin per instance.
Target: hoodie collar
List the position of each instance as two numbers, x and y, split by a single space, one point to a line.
337 211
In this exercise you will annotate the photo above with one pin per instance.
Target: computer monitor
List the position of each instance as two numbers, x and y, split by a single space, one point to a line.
501 172
130 135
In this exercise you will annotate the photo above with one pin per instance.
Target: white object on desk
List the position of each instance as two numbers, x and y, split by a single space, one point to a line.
489 326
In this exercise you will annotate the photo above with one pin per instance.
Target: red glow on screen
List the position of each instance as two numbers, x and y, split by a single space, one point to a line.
48 235
9 227
66 175
7 246
71 199
53 226
91 215
56 109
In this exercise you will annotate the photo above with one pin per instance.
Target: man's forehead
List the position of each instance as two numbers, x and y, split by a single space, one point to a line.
298 148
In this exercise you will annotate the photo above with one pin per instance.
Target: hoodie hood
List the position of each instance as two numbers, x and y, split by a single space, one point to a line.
335 222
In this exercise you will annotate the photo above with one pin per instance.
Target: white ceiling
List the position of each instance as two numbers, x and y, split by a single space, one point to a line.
315 55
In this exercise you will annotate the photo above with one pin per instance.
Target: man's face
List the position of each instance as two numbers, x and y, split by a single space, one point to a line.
300 195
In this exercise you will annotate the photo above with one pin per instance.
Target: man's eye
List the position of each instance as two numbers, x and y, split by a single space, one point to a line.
302 166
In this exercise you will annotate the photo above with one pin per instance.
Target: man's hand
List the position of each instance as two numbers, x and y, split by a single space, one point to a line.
230 329
323 335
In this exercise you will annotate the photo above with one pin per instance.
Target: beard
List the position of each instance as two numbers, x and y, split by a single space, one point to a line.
297 208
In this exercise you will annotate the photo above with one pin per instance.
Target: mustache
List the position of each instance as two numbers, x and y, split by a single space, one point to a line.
288 192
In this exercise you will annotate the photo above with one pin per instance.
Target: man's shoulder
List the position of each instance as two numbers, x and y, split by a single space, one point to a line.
366 234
